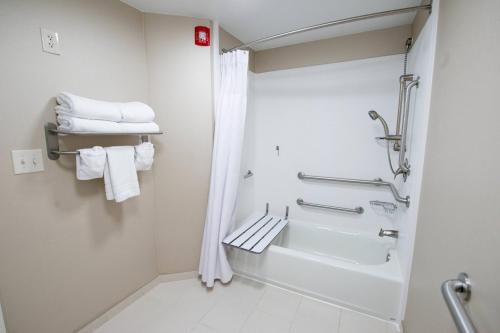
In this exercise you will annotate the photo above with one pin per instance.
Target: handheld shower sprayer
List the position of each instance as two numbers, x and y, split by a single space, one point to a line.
374 115
399 138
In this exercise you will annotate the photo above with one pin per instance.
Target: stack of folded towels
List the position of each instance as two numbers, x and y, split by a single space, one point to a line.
118 165
80 114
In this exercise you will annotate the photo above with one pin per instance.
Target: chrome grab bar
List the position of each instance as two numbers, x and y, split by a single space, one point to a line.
402 86
450 290
357 210
376 182
404 167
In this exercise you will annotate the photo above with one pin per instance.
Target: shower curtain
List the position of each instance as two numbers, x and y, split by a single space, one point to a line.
230 112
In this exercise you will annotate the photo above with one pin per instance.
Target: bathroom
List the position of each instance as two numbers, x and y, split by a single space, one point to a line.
270 203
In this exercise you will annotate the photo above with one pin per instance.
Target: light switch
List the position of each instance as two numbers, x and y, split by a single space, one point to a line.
27 161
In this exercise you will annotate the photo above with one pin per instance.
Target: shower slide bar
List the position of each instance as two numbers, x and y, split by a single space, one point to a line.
376 182
357 210
256 235
332 23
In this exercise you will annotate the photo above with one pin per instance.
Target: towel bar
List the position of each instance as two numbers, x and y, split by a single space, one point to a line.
52 139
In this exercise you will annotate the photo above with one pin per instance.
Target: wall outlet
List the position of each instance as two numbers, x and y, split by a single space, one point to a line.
50 41
27 161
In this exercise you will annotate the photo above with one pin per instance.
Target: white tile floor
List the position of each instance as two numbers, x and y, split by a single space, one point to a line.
243 306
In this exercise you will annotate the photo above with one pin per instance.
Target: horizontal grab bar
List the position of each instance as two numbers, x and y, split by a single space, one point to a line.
376 182
357 210
450 290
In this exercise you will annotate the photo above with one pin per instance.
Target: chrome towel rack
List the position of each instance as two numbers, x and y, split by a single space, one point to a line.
356 210
376 182
52 139
450 290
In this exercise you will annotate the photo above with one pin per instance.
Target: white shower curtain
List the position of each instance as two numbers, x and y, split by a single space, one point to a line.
230 111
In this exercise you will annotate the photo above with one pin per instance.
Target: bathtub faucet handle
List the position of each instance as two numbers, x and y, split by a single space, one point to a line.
388 233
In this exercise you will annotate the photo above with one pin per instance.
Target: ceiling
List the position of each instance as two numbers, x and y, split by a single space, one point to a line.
253 19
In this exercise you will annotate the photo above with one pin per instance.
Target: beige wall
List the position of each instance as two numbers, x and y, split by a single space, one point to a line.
359 46
180 91
458 226
419 21
227 41
66 254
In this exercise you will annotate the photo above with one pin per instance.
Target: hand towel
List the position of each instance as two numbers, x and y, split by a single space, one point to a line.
90 163
144 156
120 176
87 108
73 124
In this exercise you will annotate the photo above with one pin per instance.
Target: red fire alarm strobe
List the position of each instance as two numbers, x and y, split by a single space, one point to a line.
202 36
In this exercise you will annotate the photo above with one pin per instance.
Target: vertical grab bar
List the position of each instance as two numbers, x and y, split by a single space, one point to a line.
404 167
450 290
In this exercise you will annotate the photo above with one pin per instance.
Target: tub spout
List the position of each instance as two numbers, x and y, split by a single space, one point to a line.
388 233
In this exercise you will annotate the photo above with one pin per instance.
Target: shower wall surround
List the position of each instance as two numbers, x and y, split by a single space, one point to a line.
317 116
421 63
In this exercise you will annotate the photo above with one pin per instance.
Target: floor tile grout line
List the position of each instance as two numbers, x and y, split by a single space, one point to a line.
250 312
247 318
341 314
254 295
295 314
206 312
255 307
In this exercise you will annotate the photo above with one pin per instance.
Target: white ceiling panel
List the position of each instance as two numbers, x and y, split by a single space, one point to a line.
253 19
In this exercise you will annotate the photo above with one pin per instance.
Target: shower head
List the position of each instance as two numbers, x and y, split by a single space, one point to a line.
373 114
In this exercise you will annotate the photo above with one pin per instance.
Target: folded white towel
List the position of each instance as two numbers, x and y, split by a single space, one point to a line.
82 107
144 156
90 163
73 124
120 176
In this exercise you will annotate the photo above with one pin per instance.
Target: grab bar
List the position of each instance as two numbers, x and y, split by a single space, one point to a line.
376 182
404 167
357 210
450 290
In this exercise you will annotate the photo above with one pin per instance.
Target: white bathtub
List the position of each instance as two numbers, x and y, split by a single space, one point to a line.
345 268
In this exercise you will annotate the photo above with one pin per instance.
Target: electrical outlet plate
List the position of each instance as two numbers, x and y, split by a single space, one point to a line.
27 161
50 41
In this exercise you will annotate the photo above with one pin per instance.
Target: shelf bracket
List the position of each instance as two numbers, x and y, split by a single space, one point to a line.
51 141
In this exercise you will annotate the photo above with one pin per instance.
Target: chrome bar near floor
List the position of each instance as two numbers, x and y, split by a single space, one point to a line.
451 290
357 210
376 182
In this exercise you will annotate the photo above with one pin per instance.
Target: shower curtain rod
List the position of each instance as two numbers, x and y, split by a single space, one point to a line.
332 23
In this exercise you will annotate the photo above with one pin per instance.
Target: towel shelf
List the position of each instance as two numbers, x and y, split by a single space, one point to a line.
52 139
56 131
